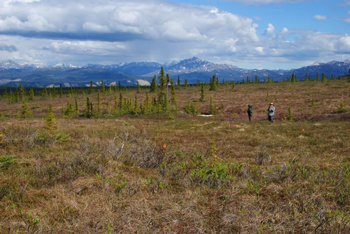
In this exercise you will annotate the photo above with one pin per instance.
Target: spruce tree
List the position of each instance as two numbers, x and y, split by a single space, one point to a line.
201 99
324 78
136 106
120 101
103 88
186 83
5 93
90 88
146 103
69 110
44 92
162 87
25 113
213 84
88 111
76 105
154 86
349 76
50 120
115 102
173 95
31 94
16 96
167 84
22 92
138 88
98 101
212 107
178 81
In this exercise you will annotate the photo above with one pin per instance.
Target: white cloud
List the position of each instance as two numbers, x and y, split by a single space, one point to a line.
139 19
264 2
270 30
343 44
320 17
260 49
284 30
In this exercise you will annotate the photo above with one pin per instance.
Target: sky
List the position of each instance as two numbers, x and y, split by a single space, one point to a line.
270 34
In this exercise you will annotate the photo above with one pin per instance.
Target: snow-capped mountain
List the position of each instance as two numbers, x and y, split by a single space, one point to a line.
9 64
65 65
193 69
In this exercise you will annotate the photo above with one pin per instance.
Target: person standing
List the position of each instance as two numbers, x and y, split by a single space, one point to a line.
271 112
250 112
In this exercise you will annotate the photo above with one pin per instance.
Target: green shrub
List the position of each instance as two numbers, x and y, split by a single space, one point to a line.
191 109
7 161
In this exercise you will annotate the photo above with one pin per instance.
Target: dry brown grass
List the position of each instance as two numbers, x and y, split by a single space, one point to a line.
113 175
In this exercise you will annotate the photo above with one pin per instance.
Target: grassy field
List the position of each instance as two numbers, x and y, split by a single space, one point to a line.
177 173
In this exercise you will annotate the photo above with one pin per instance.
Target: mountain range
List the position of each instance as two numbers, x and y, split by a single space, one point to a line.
128 74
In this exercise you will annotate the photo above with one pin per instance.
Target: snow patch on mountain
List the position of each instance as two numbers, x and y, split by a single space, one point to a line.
144 82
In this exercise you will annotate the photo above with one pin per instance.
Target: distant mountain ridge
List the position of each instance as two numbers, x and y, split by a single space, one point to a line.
128 74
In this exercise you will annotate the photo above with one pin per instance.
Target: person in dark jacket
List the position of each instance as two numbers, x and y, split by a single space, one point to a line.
250 112
271 112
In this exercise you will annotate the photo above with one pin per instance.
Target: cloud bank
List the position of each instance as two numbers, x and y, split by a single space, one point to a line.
86 31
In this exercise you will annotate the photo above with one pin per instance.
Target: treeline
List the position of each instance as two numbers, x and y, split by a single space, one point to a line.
160 96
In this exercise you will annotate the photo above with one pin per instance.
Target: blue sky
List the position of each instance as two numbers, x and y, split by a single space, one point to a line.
272 34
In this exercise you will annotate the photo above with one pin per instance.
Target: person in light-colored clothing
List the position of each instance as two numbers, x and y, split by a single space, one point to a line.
271 112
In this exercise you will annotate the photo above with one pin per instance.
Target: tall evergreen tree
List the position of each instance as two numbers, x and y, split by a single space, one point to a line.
138 88
201 99
178 81
76 105
98 101
186 83
233 84
25 113
120 100
103 88
88 111
136 106
31 94
22 92
115 102
50 120
173 95
162 87
212 107
154 86
213 84
146 103
90 87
